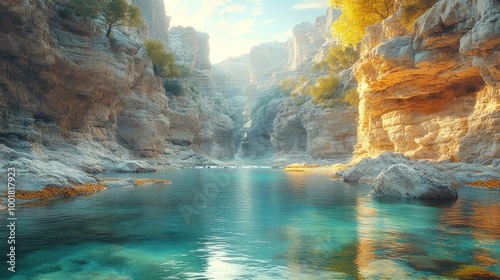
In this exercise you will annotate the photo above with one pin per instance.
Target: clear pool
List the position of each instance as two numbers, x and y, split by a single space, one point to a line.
252 223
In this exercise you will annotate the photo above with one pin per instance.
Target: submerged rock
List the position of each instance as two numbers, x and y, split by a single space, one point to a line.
122 183
417 181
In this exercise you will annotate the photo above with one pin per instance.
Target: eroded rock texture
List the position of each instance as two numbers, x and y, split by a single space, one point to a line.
74 102
433 94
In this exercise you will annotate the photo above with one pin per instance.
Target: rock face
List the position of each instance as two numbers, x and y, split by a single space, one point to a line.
74 102
406 181
199 118
309 42
191 49
370 168
457 173
72 97
232 77
153 12
275 125
433 94
311 132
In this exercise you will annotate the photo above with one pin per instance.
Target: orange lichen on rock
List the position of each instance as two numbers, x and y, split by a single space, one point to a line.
492 183
55 192
141 182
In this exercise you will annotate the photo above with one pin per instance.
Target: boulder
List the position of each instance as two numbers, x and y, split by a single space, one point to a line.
417 181
370 168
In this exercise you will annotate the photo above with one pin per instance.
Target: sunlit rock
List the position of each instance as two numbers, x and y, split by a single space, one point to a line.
432 94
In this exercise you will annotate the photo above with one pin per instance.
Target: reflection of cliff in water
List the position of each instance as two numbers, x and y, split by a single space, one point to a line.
394 240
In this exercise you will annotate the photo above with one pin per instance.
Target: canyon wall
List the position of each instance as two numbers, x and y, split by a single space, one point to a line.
73 102
199 118
153 13
432 93
279 126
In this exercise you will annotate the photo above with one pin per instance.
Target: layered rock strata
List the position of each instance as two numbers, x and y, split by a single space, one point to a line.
282 127
434 93
73 102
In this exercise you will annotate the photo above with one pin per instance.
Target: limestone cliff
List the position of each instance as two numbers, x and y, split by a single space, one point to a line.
433 93
153 12
231 78
312 132
74 102
280 126
310 41
199 117
191 50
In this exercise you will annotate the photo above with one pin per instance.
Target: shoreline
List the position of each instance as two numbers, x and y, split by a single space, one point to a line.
473 175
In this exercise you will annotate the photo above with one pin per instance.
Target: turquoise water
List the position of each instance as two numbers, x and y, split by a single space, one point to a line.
252 224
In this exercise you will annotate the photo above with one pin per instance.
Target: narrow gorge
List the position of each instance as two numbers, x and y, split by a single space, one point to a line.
297 139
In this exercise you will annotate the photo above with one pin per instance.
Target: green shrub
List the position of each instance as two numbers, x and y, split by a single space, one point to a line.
351 97
288 85
173 86
338 58
325 90
163 62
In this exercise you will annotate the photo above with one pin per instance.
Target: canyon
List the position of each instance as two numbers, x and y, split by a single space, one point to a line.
74 103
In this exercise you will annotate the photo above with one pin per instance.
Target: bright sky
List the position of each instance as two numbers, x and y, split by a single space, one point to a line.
234 26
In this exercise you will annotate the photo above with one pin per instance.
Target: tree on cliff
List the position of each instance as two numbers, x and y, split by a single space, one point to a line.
163 62
111 12
356 15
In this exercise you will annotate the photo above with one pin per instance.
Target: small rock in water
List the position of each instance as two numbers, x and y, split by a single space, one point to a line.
420 182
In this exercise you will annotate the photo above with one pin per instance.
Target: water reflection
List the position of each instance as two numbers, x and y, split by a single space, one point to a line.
395 239
262 224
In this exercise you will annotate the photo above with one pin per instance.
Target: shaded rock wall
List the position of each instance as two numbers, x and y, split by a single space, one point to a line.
311 132
275 125
231 78
199 118
74 102
58 73
432 94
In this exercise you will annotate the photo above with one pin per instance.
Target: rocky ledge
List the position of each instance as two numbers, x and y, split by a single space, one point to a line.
395 175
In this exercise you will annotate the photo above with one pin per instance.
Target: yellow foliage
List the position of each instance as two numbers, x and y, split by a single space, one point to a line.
413 9
356 15
163 62
324 91
287 85
338 58
352 97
